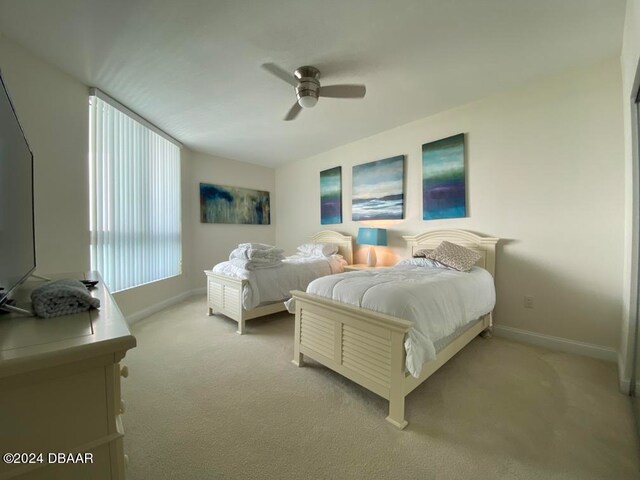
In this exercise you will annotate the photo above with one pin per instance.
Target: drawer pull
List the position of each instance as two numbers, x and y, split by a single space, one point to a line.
124 371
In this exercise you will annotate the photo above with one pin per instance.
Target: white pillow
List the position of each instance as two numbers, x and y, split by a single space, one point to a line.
317 249
422 262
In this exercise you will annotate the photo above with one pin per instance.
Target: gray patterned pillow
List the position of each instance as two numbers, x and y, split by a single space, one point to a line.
454 256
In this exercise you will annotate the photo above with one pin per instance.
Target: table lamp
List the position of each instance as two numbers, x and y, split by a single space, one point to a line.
372 237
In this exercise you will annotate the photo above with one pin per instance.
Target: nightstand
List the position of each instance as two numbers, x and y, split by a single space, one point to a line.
363 266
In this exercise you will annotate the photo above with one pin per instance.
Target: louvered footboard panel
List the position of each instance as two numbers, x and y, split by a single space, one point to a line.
232 299
366 354
318 333
354 348
225 295
216 293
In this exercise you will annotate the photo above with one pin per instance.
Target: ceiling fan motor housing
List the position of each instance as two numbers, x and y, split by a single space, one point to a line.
308 88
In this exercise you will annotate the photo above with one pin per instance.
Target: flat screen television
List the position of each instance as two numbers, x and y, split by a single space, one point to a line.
17 231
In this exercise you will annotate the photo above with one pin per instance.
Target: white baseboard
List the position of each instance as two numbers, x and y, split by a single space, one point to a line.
557 343
198 291
625 386
624 380
145 312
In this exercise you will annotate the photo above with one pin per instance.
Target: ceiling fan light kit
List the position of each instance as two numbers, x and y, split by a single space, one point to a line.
306 81
308 86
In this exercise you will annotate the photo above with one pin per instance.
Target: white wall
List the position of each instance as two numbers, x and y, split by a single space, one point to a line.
53 108
544 167
54 112
630 60
545 173
212 243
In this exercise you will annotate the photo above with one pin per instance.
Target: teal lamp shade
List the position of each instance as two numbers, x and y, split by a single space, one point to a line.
372 236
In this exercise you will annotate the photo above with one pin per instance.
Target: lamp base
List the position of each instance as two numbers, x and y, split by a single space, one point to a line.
371 259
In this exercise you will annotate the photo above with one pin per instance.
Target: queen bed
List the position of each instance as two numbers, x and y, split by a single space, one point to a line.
263 292
390 329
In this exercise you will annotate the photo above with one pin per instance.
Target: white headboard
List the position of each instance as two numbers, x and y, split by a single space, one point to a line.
344 242
485 246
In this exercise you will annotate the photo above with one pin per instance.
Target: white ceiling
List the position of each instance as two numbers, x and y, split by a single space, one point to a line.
193 67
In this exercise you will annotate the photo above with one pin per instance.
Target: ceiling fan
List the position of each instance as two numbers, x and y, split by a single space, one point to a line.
308 90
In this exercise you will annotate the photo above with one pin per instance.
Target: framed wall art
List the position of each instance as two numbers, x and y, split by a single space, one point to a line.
443 179
331 196
235 205
378 190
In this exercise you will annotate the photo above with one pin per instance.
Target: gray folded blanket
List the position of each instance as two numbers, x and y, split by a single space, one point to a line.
62 297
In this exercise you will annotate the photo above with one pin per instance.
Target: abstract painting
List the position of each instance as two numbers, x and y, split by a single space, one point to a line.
378 190
443 179
222 204
331 196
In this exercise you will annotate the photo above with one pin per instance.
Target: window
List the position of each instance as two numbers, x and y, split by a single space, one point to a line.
135 197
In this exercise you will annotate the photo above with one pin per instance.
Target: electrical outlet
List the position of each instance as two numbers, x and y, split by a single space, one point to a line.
528 301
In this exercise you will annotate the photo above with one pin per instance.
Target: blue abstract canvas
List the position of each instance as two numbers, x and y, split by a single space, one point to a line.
222 204
331 196
443 179
378 190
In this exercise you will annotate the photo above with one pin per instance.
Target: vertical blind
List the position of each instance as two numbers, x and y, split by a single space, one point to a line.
135 198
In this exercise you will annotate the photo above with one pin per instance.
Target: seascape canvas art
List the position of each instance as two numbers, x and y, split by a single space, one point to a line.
378 190
223 204
331 196
443 179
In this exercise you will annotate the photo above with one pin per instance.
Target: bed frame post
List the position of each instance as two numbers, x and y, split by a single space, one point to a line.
298 359
396 385
241 329
488 332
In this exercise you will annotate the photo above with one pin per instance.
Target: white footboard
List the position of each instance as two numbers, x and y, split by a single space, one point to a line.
366 347
224 295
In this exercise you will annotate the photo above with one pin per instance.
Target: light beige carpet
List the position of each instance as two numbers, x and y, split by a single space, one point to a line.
206 403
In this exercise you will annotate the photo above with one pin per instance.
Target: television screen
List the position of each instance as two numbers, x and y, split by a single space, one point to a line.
17 245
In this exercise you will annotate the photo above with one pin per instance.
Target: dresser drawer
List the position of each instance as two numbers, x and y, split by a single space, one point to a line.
100 469
65 411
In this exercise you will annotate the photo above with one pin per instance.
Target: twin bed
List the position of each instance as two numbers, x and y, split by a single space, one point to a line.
263 292
386 329
370 347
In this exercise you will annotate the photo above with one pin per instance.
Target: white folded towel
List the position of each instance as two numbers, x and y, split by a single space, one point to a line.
62 297
256 246
254 265
275 253
258 255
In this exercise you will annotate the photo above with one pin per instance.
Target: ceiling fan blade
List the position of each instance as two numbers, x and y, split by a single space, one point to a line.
293 112
281 73
343 91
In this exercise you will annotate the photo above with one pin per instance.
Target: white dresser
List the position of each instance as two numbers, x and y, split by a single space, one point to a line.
60 391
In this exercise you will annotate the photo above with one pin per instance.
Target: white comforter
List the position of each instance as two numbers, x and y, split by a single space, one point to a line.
270 285
437 300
